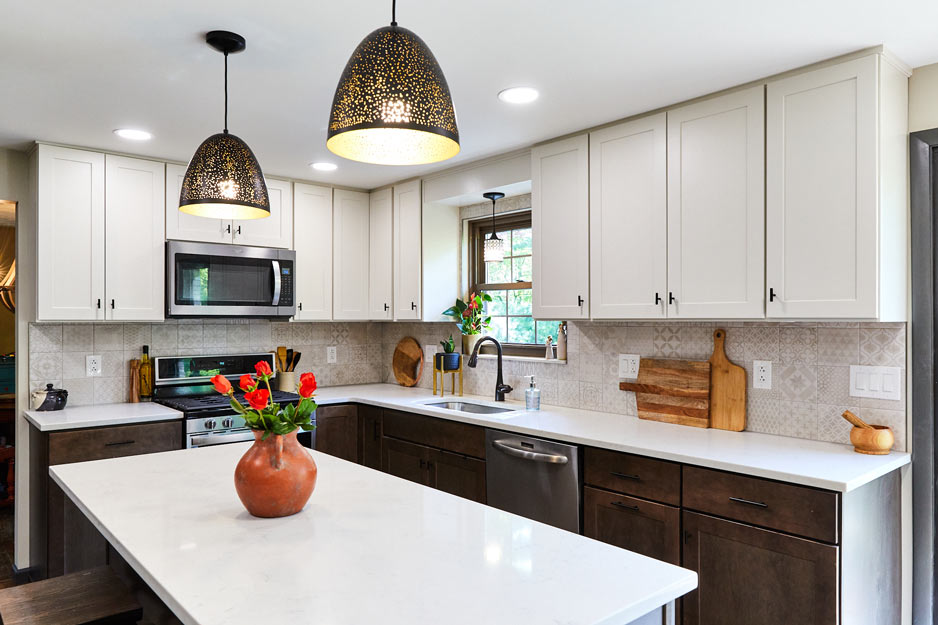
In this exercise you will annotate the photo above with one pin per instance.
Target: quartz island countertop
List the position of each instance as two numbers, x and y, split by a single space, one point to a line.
368 548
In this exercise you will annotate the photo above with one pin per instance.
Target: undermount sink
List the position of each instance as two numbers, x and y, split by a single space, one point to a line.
466 406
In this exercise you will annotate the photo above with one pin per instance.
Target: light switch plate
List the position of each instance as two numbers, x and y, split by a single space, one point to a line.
762 374
876 382
331 355
628 366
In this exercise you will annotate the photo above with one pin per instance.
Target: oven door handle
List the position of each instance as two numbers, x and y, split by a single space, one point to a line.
276 266
220 439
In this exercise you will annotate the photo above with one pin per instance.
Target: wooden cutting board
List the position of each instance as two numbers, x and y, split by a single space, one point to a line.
407 362
672 391
727 389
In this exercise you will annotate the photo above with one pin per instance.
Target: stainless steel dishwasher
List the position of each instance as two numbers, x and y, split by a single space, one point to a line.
533 478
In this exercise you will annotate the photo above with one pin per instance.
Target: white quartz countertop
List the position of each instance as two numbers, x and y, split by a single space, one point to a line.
811 463
368 548
101 415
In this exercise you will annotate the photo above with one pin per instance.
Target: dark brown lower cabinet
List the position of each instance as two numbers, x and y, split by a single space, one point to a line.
452 473
651 529
337 431
370 428
749 575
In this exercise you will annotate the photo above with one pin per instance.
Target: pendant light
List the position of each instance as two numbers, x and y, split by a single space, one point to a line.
224 179
493 249
392 105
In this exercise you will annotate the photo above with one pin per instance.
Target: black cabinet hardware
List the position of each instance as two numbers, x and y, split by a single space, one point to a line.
657 299
112 304
239 229
579 300
626 476
228 229
119 443
757 504
670 297
299 306
625 506
771 294
413 306
386 307
99 303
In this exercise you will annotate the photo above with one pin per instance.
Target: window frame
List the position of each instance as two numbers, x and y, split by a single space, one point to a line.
479 229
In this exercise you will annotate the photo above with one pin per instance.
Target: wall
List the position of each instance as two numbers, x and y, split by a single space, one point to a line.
923 98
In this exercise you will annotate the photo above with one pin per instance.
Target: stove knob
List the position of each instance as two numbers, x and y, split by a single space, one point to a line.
227 423
209 424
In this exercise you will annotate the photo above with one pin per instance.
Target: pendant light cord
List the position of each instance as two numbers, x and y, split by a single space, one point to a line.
393 12
493 218
226 93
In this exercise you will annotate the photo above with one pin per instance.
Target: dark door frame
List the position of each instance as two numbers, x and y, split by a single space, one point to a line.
923 162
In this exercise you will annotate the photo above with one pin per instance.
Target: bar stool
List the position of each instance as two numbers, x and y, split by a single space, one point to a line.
92 597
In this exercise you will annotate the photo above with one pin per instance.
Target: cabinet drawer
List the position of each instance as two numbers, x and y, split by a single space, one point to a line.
651 529
794 509
633 475
113 442
440 433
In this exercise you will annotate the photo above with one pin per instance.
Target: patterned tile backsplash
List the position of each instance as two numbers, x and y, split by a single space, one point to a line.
811 362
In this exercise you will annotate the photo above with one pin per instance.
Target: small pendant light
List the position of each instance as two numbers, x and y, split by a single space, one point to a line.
224 179
392 105
493 250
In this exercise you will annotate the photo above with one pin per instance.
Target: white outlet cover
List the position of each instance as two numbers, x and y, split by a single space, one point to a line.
628 366
762 374
93 366
876 382
331 355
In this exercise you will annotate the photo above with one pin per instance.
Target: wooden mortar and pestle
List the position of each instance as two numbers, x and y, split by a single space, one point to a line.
875 440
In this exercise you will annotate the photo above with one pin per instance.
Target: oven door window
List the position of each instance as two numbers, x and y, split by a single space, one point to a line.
223 281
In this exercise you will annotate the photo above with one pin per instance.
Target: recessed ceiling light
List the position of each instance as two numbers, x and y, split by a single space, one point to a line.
323 166
133 134
518 95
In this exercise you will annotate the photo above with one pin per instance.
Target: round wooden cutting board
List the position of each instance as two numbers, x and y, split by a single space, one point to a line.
408 362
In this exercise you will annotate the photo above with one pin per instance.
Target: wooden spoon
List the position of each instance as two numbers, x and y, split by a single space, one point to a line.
282 357
856 421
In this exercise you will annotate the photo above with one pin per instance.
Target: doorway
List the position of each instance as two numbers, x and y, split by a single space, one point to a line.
7 385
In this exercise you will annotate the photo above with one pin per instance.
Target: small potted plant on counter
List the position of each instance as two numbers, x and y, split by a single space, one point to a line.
471 318
276 476
448 360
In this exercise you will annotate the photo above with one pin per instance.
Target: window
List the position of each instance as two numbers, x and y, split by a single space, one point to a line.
509 284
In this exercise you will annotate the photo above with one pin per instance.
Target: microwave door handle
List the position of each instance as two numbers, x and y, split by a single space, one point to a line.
276 267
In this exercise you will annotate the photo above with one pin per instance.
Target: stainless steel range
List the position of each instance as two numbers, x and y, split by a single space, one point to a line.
183 383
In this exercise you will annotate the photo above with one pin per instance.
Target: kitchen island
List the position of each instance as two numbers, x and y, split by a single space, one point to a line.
367 548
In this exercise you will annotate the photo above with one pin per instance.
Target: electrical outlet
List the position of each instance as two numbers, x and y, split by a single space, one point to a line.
628 366
92 366
331 355
762 374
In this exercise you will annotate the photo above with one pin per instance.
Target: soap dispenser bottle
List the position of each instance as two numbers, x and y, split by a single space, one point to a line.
532 396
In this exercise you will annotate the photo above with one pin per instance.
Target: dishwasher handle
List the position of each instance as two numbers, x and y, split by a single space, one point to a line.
503 446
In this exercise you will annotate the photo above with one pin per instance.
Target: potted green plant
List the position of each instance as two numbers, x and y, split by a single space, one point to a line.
448 360
471 318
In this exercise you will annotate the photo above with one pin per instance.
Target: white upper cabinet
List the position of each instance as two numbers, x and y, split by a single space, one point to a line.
628 220
182 226
275 230
835 176
312 227
134 239
381 268
408 206
70 223
716 207
560 229
351 224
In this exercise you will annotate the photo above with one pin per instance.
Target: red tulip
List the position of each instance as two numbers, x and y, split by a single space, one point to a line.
258 399
247 383
307 385
222 385
263 369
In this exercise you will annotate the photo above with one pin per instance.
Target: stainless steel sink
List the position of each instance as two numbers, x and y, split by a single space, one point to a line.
465 406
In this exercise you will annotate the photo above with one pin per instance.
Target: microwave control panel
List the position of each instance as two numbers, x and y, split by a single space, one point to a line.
286 283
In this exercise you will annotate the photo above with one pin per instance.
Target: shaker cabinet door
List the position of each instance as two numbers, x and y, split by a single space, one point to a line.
381 257
350 236
406 460
651 529
182 226
275 230
716 207
408 251
312 215
134 239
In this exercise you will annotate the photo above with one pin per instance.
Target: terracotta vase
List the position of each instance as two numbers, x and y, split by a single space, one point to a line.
275 477
469 342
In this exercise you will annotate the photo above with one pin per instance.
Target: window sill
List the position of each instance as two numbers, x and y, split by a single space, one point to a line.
552 361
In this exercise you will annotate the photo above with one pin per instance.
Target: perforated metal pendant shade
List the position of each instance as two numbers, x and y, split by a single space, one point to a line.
224 180
392 105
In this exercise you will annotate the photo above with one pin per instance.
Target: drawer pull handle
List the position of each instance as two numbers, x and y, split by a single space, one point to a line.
626 476
625 506
757 504
119 443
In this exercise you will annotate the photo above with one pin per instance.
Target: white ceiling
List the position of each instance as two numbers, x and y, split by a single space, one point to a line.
71 72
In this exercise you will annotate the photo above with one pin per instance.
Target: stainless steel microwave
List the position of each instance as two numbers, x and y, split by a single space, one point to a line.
219 280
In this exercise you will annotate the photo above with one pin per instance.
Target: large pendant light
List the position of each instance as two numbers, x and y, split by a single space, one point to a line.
224 179
493 248
392 105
